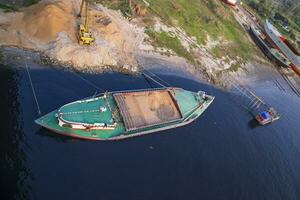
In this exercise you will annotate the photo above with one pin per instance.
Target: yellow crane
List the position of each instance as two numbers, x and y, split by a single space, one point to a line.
85 37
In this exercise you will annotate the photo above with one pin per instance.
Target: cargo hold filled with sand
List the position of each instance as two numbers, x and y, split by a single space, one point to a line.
51 27
147 108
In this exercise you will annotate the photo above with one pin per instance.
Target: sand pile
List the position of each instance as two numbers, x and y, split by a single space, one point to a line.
51 27
44 21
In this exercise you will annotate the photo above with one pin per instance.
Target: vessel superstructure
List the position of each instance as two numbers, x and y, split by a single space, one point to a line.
272 53
281 43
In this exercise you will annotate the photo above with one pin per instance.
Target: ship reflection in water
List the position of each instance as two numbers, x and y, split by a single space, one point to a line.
13 154
219 155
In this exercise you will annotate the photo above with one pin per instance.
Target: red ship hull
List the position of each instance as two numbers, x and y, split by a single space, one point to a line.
297 70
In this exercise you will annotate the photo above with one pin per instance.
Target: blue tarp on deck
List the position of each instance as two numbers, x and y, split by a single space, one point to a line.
265 115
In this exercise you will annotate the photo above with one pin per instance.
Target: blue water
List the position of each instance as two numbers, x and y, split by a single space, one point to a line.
222 155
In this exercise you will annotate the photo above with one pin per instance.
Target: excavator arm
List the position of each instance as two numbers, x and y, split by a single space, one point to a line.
81 8
86 17
85 37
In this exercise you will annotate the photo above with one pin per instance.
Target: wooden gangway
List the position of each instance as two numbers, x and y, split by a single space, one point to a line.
248 99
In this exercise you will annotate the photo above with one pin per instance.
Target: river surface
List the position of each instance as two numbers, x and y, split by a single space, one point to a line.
222 155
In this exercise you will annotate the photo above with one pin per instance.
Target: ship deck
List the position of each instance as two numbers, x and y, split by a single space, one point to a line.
145 108
181 106
87 112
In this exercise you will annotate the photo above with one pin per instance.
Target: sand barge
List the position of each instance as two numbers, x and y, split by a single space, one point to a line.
51 27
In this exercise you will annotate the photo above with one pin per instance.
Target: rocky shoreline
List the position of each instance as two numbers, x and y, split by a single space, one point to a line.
127 52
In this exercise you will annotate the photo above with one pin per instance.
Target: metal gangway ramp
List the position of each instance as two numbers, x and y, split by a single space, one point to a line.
244 96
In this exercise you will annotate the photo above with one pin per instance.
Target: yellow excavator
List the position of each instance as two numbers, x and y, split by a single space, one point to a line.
85 37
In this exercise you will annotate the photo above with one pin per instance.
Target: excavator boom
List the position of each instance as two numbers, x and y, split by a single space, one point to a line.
81 8
86 17
85 37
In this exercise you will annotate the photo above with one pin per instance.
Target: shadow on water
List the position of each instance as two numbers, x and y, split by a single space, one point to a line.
14 173
253 123
215 157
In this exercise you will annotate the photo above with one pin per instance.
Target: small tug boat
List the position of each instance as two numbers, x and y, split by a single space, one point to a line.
266 117
260 111
124 114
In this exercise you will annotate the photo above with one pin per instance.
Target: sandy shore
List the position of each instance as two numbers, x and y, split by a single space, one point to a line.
147 61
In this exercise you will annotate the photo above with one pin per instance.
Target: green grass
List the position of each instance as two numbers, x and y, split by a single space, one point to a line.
30 2
164 39
201 18
121 5
7 8
191 16
10 7
292 34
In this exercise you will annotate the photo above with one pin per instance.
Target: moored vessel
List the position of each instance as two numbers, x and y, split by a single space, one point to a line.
272 53
124 114
283 45
267 116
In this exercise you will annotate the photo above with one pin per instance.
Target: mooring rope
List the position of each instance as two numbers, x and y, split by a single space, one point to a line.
154 80
165 82
147 81
89 82
32 88
30 80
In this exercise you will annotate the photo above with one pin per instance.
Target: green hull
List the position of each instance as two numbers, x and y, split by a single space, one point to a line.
111 116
